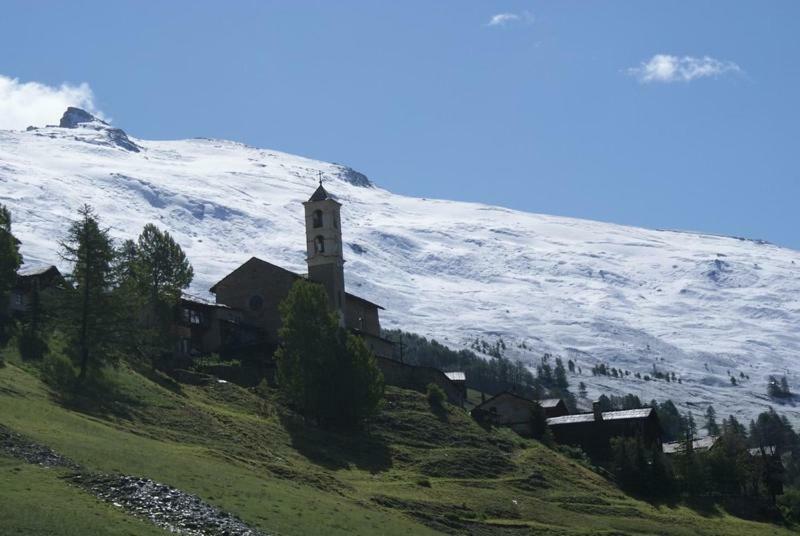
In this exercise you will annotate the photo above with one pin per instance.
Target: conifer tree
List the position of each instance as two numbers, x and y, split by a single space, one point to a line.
88 314
711 421
160 265
10 261
151 274
325 371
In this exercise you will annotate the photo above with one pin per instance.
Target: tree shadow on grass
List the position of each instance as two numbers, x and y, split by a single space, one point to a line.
337 449
98 395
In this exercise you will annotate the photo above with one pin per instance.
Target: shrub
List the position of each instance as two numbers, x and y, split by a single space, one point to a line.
435 395
789 504
59 372
31 345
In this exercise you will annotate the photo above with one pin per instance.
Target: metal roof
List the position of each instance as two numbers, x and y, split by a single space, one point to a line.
201 301
571 419
704 443
549 402
456 376
607 416
627 414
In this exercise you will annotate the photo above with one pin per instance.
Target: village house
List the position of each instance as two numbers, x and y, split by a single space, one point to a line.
698 445
593 431
514 411
201 324
31 284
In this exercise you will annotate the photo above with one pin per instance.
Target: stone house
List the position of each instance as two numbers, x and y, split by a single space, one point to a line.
31 284
202 324
417 378
514 411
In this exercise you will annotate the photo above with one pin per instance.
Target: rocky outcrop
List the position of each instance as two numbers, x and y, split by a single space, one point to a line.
165 506
170 508
78 118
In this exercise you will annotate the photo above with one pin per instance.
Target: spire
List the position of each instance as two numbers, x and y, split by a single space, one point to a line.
320 195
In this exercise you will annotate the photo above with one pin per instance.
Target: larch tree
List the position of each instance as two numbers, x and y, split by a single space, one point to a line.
88 313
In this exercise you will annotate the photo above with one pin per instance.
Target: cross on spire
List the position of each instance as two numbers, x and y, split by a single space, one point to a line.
319 172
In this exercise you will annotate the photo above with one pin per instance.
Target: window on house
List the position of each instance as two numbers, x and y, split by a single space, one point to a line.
319 244
18 298
317 219
256 303
190 316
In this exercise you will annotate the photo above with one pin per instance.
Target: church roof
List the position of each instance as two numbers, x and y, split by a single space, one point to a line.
321 194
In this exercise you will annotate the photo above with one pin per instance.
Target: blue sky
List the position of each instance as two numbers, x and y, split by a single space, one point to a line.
658 114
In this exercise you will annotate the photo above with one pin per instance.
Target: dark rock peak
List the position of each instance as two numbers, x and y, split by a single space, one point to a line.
74 117
352 176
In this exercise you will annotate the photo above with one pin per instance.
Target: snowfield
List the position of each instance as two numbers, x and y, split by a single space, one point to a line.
700 306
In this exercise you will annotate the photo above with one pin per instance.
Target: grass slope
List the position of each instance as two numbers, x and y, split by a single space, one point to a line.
415 471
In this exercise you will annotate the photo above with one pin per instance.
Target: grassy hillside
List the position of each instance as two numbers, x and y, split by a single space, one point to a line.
414 471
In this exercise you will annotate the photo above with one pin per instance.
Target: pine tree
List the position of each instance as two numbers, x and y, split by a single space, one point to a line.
10 261
711 421
561 375
582 390
88 313
160 266
325 371
152 272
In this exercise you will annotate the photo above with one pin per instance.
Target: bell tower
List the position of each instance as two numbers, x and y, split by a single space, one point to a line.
324 246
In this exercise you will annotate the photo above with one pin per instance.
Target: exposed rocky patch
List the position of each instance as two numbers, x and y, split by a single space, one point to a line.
18 446
165 506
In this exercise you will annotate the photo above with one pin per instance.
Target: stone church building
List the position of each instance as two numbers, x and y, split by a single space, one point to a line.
256 288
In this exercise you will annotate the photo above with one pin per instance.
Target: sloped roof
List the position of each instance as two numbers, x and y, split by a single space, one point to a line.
320 194
704 443
201 301
456 376
256 260
34 270
549 402
607 416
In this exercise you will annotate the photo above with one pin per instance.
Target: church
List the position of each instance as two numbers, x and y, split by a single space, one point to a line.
245 317
255 290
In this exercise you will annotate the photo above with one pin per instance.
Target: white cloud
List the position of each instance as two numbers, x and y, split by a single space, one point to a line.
30 103
667 68
501 19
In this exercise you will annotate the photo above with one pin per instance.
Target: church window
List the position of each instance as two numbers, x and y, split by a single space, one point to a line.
317 219
335 221
256 303
319 245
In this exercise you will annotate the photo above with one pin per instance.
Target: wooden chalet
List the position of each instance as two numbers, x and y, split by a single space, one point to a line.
593 431
31 283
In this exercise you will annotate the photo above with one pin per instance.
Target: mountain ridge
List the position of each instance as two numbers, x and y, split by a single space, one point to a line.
696 304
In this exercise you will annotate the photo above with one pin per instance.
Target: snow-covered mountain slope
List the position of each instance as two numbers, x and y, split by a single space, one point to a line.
697 305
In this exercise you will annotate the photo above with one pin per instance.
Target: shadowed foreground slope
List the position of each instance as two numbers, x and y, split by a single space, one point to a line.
414 471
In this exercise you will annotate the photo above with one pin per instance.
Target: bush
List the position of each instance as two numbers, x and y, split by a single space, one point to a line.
435 395
31 345
789 504
59 373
